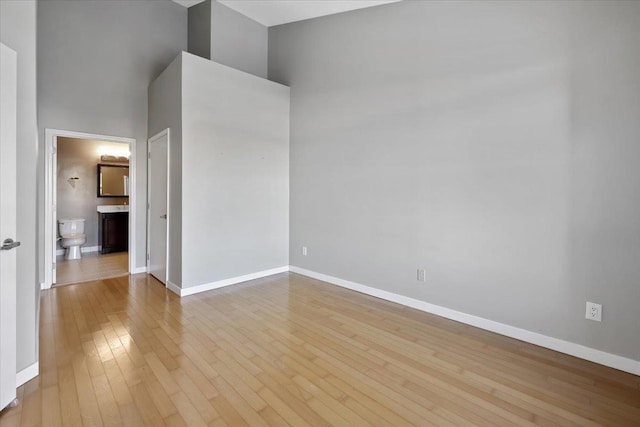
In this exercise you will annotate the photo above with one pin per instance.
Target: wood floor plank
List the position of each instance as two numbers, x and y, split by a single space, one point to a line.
228 413
92 266
89 409
289 350
145 405
32 411
51 406
68 395
197 398
106 401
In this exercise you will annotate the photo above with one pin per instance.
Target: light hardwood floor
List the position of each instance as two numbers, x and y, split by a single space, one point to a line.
92 266
288 350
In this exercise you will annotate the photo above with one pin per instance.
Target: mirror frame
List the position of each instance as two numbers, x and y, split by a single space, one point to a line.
100 166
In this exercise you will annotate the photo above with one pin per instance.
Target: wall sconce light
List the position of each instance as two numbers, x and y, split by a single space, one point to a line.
114 154
110 158
72 181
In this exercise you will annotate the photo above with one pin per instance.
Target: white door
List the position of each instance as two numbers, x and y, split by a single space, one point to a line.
7 225
157 214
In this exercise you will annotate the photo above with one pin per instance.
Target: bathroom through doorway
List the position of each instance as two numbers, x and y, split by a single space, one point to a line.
90 193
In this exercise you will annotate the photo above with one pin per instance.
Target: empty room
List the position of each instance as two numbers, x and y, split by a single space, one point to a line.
319 212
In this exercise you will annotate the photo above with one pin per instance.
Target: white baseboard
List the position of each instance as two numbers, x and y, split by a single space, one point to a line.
573 349
139 270
226 282
173 287
83 249
28 373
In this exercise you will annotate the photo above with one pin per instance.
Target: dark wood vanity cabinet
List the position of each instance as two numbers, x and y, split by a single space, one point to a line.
114 232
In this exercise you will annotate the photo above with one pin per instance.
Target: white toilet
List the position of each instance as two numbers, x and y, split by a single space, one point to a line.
72 236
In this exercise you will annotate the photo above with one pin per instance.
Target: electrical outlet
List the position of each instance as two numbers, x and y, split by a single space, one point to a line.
594 311
304 250
422 275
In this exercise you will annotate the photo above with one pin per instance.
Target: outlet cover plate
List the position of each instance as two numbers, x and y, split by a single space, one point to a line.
594 311
422 275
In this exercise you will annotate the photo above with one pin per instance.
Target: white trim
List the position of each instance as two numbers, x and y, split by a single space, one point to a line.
49 145
27 374
159 135
51 136
83 249
183 292
573 349
133 204
173 287
139 270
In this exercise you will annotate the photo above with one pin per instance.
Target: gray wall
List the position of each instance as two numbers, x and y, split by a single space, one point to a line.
96 60
494 144
235 174
238 41
18 31
165 111
79 199
223 35
200 29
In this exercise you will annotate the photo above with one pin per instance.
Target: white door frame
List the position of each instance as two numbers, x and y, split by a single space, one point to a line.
50 226
158 135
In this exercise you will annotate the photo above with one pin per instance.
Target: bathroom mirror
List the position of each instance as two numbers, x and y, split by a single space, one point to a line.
113 180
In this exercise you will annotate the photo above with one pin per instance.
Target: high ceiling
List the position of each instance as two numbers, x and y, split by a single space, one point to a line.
276 12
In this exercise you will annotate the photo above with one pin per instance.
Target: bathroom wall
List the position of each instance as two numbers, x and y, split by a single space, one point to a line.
78 199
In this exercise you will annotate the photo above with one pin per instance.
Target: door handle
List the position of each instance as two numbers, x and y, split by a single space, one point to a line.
163 216
9 244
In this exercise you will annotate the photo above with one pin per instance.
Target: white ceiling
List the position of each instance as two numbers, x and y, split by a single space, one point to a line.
276 12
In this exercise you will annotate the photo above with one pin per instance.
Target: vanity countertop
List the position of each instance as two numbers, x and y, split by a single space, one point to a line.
113 208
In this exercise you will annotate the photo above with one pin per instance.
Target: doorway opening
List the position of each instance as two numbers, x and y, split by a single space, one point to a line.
90 204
